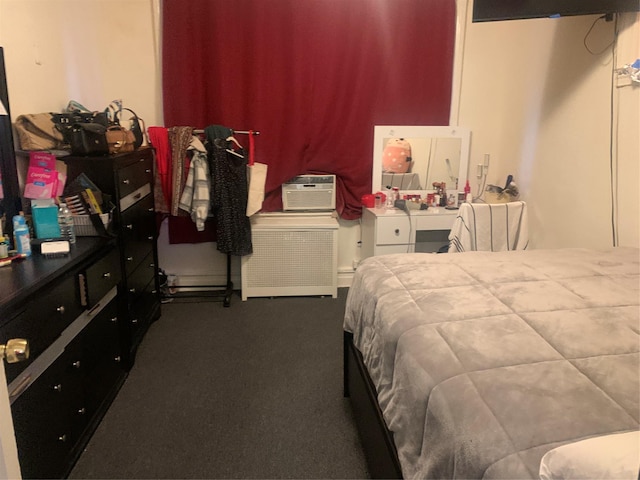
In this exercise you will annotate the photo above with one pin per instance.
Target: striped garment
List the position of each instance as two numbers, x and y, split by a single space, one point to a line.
490 227
196 196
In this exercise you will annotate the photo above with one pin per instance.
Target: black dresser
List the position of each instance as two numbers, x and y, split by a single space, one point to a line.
128 179
67 309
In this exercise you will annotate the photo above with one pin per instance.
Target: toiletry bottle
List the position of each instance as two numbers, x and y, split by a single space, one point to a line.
21 237
467 193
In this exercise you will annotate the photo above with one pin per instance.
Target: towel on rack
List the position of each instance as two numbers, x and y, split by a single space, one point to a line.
490 227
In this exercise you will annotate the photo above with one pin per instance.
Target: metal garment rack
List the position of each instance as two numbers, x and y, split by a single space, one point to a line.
197 291
225 290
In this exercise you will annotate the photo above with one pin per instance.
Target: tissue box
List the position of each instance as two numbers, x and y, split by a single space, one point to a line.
45 219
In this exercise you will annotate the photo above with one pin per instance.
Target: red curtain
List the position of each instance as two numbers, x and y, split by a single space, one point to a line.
312 76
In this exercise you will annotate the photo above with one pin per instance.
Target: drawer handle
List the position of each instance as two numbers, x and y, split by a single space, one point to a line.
63 438
113 319
82 411
152 265
106 275
134 320
126 181
397 231
137 196
58 387
132 290
154 292
150 209
117 359
147 170
129 259
60 309
129 226
76 364
150 237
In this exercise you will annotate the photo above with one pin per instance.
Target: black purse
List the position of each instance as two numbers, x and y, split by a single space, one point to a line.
136 127
89 139
64 122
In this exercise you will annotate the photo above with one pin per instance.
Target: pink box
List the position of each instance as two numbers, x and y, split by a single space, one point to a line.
42 160
41 183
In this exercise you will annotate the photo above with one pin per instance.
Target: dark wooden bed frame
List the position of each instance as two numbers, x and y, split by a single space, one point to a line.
377 440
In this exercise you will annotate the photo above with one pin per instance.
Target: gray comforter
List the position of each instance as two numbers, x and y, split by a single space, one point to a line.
485 361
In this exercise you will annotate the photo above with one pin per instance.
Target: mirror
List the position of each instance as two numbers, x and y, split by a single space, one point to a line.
9 188
412 158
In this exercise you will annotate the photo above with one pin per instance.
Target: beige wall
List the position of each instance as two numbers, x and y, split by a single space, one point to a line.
541 105
533 96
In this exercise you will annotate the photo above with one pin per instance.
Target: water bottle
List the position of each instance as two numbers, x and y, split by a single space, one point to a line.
65 220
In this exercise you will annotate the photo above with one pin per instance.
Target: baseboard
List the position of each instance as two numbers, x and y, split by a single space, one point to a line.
345 277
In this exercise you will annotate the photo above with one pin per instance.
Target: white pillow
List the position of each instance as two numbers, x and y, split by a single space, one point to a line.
615 456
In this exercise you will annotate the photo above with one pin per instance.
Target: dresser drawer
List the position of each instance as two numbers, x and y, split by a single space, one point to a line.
141 277
42 321
42 424
101 277
393 230
138 233
134 176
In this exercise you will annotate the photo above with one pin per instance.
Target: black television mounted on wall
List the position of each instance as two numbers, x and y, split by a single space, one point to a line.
495 10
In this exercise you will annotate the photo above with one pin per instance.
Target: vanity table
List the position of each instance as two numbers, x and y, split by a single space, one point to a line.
437 154
390 230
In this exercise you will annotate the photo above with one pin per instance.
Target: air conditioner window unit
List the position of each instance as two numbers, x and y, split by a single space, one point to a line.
309 193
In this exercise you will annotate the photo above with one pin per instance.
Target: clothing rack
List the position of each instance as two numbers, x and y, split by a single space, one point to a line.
225 290
242 132
196 291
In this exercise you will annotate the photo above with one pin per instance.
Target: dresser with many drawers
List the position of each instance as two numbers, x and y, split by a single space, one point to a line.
67 310
128 179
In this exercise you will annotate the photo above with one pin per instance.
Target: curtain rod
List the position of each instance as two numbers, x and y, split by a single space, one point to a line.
244 132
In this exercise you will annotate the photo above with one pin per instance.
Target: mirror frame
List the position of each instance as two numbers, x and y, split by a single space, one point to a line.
381 132
11 203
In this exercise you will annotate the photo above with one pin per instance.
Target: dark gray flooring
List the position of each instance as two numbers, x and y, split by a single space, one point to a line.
249 391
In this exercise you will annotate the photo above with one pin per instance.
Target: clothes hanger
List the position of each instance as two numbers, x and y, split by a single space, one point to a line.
231 138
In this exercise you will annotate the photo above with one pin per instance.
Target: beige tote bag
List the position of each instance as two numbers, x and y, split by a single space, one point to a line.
256 178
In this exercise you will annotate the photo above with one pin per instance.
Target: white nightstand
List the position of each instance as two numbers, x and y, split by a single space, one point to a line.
393 231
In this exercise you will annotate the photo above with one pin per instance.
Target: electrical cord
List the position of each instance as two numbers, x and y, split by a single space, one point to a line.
613 138
586 36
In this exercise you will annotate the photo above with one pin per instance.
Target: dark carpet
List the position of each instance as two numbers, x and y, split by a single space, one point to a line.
249 391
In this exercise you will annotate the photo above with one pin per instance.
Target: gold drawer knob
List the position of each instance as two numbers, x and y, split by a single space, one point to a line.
15 350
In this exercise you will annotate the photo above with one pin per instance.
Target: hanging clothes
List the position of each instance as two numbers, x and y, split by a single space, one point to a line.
229 198
180 138
159 139
196 198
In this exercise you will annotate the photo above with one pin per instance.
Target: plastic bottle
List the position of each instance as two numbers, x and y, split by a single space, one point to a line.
21 237
467 193
65 220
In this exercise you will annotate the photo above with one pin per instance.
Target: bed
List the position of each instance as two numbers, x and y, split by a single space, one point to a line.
490 364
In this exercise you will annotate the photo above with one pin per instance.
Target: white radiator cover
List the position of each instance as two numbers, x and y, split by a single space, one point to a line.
294 254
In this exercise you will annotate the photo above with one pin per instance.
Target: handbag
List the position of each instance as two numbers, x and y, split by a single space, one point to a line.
120 140
64 122
37 131
136 126
89 139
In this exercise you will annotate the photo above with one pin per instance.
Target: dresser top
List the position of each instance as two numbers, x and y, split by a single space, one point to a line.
23 278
